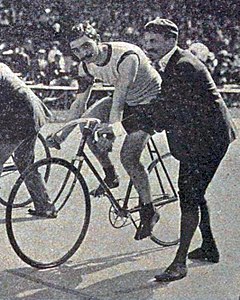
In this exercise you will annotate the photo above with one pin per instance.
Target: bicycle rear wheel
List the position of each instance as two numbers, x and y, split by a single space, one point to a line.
166 231
10 172
43 242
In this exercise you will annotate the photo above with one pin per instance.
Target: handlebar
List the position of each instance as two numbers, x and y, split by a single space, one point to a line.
91 123
55 139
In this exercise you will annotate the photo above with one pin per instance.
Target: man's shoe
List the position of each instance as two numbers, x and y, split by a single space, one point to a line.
49 212
149 217
210 255
174 272
111 183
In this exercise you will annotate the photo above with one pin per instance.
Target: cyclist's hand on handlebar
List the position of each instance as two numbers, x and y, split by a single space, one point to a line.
105 129
53 141
106 138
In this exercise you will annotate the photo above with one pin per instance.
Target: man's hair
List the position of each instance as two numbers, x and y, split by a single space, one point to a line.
81 29
162 26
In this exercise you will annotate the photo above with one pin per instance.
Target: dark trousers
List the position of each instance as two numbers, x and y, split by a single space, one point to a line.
23 157
194 178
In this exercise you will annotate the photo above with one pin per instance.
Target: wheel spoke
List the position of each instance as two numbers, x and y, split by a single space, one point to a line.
50 235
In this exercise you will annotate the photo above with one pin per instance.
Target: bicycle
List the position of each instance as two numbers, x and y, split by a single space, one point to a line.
10 171
72 183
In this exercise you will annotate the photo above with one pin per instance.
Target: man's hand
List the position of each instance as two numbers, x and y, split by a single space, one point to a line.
106 138
53 141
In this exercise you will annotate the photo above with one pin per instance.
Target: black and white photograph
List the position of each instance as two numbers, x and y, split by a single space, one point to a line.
119 150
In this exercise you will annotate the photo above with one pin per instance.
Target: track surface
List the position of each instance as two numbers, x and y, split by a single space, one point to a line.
110 265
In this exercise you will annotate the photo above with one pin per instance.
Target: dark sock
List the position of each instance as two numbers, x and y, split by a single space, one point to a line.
189 223
110 172
147 211
205 228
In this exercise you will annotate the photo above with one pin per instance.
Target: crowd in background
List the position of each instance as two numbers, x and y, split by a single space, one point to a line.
33 33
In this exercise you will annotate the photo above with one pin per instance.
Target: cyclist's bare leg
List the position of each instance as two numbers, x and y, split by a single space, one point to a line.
130 157
131 151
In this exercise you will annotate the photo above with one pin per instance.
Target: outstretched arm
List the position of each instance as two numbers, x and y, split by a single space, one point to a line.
76 110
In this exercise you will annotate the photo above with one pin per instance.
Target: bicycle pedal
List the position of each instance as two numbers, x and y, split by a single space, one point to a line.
100 197
97 193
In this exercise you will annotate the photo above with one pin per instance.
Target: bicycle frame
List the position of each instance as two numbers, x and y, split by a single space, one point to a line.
81 157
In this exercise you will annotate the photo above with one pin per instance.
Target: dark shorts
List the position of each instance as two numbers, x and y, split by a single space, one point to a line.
139 117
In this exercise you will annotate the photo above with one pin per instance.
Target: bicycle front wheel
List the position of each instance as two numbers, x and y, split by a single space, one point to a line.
43 242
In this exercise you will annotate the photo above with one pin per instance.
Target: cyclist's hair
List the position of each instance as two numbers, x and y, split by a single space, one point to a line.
81 29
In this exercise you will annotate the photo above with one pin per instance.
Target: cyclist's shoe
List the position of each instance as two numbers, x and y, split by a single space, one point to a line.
175 271
111 183
211 254
48 212
148 218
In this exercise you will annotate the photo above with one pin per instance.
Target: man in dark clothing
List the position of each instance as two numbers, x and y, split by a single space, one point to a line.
22 116
199 130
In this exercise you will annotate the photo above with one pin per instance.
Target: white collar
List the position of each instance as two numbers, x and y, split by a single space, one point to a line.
165 59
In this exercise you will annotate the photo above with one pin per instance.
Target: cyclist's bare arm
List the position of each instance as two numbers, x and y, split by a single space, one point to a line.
108 131
127 75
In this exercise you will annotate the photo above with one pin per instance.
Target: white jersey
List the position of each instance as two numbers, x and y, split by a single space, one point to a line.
147 83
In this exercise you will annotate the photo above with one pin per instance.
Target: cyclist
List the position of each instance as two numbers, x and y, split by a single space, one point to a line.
137 85
22 116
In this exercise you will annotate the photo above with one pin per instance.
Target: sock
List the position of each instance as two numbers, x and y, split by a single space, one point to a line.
189 223
110 173
205 228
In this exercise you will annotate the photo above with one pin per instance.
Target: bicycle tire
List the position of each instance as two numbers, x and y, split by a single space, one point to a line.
13 168
160 229
12 230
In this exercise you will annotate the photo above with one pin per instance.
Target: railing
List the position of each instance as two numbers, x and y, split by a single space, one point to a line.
228 88
96 87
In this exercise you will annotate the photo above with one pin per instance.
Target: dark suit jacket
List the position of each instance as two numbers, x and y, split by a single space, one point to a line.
196 119
22 113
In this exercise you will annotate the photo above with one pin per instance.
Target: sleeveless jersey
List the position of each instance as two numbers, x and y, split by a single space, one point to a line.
147 83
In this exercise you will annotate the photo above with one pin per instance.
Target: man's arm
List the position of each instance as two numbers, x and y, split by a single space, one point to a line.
127 74
78 107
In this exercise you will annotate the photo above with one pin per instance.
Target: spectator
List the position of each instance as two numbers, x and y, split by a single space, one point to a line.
21 62
57 66
50 22
52 52
200 51
40 67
